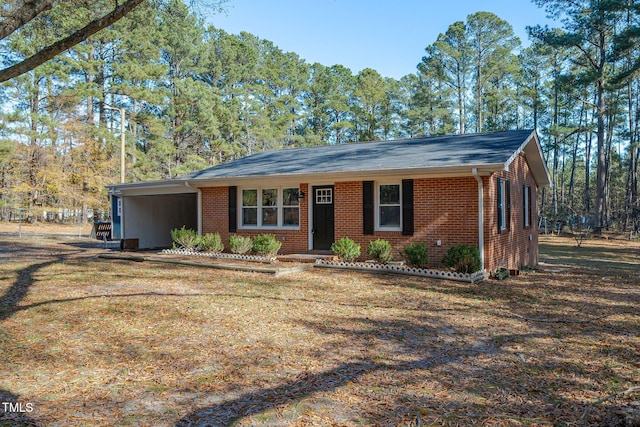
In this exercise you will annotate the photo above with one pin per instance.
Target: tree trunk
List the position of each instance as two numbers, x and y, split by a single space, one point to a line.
574 158
554 189
601 168
461 102
133 124
631 190
60 46
587 173
27 11
479 95
34 149
91 78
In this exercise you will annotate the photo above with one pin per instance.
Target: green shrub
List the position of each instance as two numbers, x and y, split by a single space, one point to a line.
211 242
346 249
462 258
240 244
184 238
380 250
417 254
266 245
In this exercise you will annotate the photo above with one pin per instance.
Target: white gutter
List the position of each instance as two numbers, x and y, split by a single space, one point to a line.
474 172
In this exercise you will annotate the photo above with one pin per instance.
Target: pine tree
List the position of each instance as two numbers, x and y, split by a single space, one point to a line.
492 43
590 28
451 55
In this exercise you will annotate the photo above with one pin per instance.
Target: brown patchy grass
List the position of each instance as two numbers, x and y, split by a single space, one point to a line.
96 342
39 228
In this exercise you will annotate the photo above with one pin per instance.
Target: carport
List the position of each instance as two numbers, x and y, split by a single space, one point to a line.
149 212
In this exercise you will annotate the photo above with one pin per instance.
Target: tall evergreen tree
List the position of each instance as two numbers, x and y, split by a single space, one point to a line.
492 43
370 99
451 54
590 28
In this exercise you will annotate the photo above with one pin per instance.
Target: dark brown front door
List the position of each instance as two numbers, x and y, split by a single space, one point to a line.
322 217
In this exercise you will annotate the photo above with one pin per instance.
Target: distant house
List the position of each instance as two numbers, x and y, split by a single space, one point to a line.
476 189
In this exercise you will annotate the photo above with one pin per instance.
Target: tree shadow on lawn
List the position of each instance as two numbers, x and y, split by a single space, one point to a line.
588 257
20 287
428 345
25 252
401 355
15 412
574 296
303 386
9 304
421 346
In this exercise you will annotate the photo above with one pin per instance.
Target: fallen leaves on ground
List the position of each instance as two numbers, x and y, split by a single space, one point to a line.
102 342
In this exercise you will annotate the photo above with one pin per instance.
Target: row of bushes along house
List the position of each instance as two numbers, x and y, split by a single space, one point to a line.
461 258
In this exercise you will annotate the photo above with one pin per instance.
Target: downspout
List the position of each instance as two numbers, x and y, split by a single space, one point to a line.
474 172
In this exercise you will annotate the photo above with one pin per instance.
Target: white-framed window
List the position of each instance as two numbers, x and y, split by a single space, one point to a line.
290 207
504 205
526 197
270 207
389 206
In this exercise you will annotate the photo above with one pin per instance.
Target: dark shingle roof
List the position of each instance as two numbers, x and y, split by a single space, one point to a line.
423 153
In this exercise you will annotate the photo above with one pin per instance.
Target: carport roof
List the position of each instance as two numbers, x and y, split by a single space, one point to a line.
487 151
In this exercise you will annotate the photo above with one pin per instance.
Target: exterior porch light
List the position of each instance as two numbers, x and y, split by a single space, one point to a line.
300 195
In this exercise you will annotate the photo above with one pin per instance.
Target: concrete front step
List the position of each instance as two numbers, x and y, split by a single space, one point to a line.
305 258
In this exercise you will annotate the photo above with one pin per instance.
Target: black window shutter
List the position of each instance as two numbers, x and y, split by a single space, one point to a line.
367 207
407 207
233 209
508 216
524 205
500 205
529 198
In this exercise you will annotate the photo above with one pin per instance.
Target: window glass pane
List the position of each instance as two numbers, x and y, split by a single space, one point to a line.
249 216
290 197
291 216
527 196
249 197
269 216
390 216
324 196
270 197
389 194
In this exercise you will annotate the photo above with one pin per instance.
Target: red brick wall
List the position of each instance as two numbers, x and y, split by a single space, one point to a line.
445 209
215 219
511 248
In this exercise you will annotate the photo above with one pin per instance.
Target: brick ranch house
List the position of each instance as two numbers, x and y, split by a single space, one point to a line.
476 189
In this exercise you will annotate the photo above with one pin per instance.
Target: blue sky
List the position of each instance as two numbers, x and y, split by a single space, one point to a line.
388 36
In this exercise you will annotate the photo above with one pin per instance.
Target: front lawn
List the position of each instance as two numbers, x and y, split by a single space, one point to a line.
93 342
